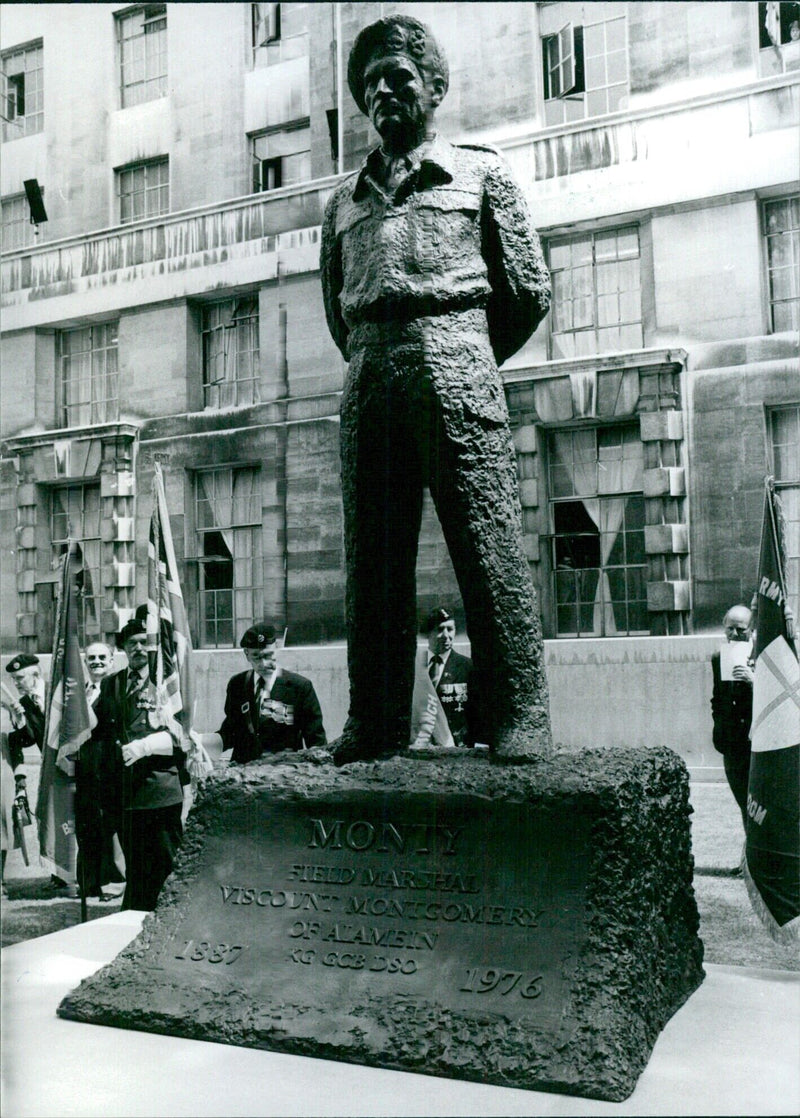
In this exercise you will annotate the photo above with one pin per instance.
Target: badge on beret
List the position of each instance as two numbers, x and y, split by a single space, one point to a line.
24 660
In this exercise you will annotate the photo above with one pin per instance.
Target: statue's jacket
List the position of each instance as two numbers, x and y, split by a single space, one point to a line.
455 238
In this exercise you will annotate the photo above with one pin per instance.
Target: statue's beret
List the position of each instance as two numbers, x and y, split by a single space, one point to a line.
392 35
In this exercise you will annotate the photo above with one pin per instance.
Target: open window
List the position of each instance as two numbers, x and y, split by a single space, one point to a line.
266 24
563 62
585 70
22 94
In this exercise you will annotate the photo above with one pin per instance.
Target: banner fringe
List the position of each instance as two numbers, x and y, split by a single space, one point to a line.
787 935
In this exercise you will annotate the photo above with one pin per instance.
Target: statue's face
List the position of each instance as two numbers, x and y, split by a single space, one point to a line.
398 101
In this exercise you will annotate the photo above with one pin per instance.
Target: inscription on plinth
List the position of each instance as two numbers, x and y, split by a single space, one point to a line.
449 899
532 926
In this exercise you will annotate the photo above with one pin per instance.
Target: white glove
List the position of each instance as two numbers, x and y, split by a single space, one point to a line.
159 744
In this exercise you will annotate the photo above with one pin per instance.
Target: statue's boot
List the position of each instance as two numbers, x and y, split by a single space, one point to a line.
358 743
522 741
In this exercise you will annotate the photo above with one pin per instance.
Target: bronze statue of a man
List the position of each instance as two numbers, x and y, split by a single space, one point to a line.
432 276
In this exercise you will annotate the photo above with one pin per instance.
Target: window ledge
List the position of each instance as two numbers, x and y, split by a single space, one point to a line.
633 359
23 443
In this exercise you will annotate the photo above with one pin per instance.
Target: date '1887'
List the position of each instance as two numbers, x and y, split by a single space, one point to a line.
503 981
204 952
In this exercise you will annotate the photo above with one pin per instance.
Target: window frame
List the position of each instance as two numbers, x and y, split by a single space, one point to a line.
555 238
199 560
272 21
571 40
24 221
59 544
152 13
793 301
31 120
106 406
146 166
228 331
281 135
631 428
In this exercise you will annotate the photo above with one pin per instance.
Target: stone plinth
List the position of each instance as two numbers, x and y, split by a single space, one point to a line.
531 926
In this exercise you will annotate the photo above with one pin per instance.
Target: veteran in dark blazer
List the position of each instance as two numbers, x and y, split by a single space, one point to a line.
28 714
142 771
267 708
451 676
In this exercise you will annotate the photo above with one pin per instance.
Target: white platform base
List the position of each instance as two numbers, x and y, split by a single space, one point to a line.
733 1049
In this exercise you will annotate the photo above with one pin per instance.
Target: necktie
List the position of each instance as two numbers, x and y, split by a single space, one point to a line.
434 669
135 683
261 693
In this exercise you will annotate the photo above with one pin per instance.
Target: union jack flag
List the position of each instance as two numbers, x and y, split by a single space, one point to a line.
169 643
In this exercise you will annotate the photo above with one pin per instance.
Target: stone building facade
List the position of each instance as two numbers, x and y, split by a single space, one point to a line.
169 309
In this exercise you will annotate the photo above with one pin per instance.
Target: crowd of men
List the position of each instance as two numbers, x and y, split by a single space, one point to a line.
131 774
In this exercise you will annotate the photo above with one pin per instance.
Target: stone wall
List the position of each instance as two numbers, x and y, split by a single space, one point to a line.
625 691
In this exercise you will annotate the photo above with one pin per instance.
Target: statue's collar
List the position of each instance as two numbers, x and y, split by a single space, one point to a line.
436 165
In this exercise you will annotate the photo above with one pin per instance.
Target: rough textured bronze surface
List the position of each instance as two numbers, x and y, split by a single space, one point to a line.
529 926
432 275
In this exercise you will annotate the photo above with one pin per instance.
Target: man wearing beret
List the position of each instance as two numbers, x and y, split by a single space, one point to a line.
28 714
144 770
432 276
450 674
267 708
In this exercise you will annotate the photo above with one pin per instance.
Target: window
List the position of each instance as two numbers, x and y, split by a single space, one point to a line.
143 190
597 302
23 113
230 353
18 229
229 555
266 24
784 435
281 158
142 37
88 360
279 32
585 70
597 515
778 24
75 514
782 235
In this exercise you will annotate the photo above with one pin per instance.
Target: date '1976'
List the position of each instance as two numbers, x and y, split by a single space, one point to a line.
503 981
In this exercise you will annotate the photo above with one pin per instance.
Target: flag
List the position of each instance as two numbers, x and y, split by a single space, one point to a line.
169 643
69 721
772 869
428 719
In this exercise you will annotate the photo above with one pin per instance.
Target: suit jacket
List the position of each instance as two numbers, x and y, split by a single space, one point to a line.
455 694
152 782
732 711
293 718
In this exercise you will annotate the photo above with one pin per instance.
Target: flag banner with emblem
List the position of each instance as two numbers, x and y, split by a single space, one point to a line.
69 721
772 870
428 719
169 644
